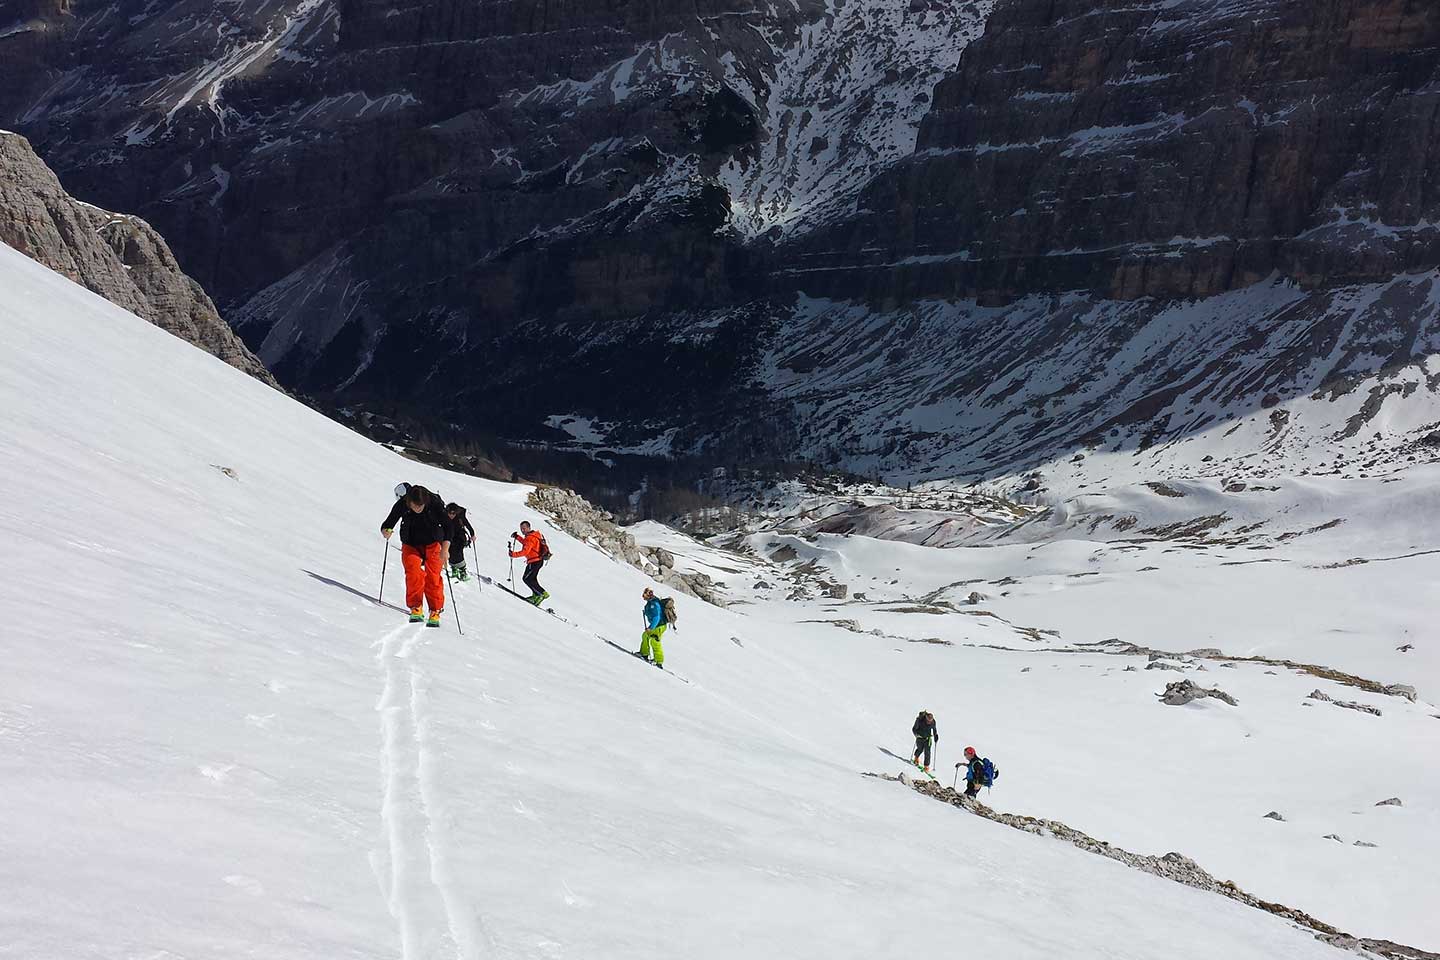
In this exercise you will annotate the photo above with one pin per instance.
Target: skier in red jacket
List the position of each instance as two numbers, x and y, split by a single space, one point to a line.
535 551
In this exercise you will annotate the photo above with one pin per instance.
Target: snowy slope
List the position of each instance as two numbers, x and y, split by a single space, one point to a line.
217 745
1009 638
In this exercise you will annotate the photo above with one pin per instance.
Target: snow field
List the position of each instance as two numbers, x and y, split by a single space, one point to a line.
217 745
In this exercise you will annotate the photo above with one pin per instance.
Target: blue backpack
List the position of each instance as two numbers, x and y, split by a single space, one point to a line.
988 772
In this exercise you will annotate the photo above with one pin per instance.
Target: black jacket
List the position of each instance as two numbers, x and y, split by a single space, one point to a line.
975 772
419 529
460 529
924 728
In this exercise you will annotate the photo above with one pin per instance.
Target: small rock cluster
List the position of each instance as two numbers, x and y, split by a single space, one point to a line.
584 521
1182 692
1347 704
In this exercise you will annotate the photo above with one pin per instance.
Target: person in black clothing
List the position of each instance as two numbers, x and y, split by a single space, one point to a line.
974 773
425 535
925 737
461 536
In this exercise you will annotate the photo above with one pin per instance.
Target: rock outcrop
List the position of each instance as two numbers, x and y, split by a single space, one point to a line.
121 258
1185 691
1172 150
1323 697
1171 866
584 521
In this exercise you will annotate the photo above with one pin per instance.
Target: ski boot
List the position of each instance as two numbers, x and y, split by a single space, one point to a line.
416 614
434 620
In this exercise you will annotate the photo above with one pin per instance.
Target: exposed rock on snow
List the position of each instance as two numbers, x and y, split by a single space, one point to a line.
1171 866
1274 815
1392 802
583 520
1123 648
1347 704
1184 691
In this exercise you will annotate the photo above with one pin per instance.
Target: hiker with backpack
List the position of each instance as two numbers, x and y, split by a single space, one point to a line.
461 536
535 551
979 772
424 534
926 737
658 615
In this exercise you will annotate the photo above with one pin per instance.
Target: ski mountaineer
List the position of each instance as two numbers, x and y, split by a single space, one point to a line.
461 536
534 550
974 773
424 533
650 650
925 738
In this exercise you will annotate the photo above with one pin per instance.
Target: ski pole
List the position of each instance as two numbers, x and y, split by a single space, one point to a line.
383 563
954 781
455 606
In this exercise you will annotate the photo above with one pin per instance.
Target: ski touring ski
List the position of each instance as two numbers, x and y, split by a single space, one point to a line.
632 653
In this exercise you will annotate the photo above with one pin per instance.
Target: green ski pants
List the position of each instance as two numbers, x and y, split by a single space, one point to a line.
649 640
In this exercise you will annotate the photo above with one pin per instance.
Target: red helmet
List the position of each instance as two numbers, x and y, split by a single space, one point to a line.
969 751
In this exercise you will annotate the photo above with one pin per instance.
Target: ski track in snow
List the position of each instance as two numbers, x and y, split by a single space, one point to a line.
427 902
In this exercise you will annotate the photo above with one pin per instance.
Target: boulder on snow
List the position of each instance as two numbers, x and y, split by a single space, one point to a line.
1274 815
1365 843
1163 665
1182 692
1334 836
1392 802
1401 690
975 598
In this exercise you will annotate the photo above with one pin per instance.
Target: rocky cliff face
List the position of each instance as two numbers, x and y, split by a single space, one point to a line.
118 257
1171 150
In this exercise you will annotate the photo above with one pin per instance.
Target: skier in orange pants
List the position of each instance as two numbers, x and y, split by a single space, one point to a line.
424 533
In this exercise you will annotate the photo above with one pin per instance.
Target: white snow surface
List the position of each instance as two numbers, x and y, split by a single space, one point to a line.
217 745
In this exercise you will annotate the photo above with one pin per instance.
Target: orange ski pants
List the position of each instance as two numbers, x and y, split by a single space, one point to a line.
424 576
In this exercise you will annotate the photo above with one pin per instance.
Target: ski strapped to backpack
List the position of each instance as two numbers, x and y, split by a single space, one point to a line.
667 610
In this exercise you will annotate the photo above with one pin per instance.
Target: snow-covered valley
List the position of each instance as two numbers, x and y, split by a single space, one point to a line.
218 744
